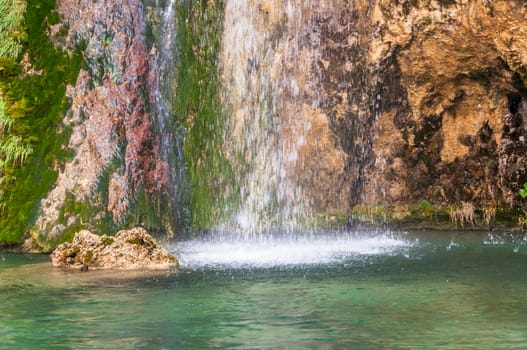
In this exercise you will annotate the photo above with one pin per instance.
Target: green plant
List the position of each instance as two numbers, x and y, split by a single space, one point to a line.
199 115
6 122
13 150
489 212
107 240
424 209
462 214
31 109
523 191
11 33
373 213
522 219
88 256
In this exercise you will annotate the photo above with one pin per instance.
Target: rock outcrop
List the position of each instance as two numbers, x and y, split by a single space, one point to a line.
445 70
384 102
326 105
127 250
118 166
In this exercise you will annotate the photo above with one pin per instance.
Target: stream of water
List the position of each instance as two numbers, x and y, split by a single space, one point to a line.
380 290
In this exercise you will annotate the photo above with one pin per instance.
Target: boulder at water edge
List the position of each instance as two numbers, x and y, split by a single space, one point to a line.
128 250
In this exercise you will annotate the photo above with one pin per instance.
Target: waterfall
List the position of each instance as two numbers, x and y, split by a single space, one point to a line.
263 136
164 91
165 121
278 163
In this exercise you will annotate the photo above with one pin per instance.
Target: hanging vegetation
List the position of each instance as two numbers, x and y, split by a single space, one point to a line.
33 79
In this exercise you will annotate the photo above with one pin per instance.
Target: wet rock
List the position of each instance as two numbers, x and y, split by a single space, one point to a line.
128 250
113 135
514 100
461 62
381 101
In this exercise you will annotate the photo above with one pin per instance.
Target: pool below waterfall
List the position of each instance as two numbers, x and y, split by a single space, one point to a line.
336 290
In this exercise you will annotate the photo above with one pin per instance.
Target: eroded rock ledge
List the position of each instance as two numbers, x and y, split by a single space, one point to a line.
128 250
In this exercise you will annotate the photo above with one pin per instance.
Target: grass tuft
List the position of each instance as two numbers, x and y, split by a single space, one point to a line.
14 151
11 20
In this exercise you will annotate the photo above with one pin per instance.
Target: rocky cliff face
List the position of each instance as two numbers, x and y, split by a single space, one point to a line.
414 98
446 131
396 103
325 106
117 167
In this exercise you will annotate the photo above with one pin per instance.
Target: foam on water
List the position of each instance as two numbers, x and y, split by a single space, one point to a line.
271 250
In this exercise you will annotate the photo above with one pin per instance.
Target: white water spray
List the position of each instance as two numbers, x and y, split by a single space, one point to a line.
266 251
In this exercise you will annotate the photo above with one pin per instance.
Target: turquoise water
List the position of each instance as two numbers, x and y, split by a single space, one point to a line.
366 291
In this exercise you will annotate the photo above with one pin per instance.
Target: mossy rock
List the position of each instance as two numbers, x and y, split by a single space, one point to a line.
129 249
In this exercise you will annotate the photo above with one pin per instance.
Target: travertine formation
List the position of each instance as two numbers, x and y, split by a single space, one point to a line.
128 250
377 102
387 102
445 69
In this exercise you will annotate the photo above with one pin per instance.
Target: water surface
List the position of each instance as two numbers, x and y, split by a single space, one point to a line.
331 291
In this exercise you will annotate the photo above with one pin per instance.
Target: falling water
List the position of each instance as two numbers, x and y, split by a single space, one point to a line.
284 142
171 139
264 137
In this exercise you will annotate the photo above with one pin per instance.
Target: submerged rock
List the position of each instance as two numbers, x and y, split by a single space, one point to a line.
128 250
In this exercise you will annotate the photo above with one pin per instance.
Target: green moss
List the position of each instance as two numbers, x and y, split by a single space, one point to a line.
372 213
35 103
427 214
107 240
84 214
88 256
9 67
198 109
423 209
447 3
145 211
329 220
11 32
136 241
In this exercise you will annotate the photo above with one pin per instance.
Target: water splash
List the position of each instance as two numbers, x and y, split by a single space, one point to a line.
223 250
517 241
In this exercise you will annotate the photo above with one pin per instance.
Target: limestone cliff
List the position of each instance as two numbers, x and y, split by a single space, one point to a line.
444 131
260 111
413 96
118 168
390 103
